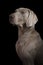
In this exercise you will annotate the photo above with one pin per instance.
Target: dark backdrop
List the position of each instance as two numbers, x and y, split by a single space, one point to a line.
9 33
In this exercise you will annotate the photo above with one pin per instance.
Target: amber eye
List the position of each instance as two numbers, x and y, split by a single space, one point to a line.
22 12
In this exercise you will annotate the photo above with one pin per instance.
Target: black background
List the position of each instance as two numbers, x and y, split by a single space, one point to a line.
9 33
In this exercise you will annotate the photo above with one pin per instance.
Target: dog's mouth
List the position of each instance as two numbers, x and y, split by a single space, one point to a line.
15 24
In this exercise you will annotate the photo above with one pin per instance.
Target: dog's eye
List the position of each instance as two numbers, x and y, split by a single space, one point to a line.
22 12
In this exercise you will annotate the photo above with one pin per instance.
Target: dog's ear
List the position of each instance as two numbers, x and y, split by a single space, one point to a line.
32 19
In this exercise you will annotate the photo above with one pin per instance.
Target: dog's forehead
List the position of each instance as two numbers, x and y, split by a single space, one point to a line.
22 10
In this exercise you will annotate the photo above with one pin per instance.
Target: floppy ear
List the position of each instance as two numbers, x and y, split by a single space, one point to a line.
32 19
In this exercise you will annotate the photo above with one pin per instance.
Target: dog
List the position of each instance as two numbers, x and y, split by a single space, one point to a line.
29 46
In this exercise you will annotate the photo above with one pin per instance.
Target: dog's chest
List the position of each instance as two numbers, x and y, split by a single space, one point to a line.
28 43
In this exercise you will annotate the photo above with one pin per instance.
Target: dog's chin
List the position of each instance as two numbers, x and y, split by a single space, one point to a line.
20 26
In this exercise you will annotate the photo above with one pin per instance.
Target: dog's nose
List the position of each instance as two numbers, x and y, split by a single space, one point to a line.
10 18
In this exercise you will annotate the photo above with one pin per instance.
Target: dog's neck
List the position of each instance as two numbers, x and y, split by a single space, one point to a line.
22 30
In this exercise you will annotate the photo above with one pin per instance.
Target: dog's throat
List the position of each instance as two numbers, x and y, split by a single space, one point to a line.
21 31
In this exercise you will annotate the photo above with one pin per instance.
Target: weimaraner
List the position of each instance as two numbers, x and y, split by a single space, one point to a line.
29 46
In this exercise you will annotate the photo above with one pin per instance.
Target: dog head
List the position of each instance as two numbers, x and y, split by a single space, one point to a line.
23 15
